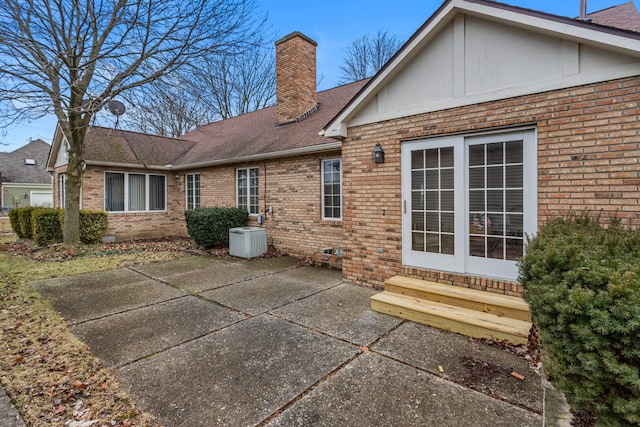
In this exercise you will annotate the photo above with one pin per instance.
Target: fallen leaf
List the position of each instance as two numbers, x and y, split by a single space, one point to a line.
79 385
440 368
364 349
59 410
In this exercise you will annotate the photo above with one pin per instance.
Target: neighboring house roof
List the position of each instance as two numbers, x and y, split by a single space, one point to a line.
624 16
27 164
610 52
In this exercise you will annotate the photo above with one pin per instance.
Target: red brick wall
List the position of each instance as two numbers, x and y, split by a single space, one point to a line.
295 77
588 158
293 189
134 225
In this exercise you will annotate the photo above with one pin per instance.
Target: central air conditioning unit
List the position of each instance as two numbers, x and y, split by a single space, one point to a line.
247 242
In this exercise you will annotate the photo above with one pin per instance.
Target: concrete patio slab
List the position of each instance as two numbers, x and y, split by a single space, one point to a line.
266 264
126 337
177 266
343 312
465 361
375 391
237 376
71 285
78 303
212 277
323 276
262 294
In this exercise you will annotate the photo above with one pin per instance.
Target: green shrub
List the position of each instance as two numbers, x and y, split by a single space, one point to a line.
14 220
24 217
209 227
93 225
45 226
582 283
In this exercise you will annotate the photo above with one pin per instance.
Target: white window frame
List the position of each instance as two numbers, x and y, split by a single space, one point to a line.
461 261
193 201
62 191
249 194
324 217
126 192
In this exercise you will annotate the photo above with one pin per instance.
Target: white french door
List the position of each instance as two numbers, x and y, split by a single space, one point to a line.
468 202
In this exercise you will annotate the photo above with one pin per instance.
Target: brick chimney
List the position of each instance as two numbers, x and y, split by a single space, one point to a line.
295 77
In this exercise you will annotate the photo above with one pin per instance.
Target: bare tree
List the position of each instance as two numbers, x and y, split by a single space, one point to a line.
166 108
212 88
366 55
234 85
56 54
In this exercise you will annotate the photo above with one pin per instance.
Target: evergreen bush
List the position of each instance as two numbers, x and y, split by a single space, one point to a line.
24 217
93 225
14 221
45 226
209 227
582 283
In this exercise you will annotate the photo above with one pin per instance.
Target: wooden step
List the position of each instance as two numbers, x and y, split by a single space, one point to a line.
488 302
456 319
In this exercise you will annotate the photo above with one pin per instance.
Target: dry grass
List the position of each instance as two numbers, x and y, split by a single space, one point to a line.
51 377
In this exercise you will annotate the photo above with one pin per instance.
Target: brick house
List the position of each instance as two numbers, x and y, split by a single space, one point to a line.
492 119
273 162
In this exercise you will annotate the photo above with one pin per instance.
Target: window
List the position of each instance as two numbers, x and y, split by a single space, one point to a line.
134 192
247 189
31 162
62 183
469 202
193 190
331 189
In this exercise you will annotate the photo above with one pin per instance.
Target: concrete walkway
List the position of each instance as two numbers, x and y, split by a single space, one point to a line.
205 341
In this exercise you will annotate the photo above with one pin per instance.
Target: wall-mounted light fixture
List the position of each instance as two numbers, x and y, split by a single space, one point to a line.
26 196
378 154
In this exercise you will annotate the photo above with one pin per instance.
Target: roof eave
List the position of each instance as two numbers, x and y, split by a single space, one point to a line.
314 149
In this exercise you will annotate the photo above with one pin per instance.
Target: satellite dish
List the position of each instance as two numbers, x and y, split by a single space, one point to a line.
116 108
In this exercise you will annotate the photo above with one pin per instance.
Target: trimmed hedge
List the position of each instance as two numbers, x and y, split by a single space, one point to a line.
93 225
14 221
582 283
24 218
209 227
45 226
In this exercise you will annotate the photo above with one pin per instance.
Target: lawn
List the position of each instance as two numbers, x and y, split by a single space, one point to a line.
51 377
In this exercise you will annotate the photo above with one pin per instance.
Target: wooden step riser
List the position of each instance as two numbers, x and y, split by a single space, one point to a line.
446 324
513 313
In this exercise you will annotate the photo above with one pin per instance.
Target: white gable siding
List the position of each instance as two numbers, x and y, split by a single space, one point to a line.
472 59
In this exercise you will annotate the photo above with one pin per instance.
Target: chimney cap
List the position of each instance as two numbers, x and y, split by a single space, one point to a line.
295 34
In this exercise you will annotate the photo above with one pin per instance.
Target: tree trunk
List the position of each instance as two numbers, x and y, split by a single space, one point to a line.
71 233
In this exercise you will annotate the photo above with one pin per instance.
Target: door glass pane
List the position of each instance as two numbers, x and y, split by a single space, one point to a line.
495 206
432 200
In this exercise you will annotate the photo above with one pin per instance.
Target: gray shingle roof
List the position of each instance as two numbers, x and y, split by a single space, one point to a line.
15 170
624 16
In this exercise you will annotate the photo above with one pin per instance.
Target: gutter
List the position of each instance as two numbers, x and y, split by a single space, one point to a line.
250 158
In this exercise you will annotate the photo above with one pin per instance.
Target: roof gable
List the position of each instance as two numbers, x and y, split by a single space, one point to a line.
473 51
